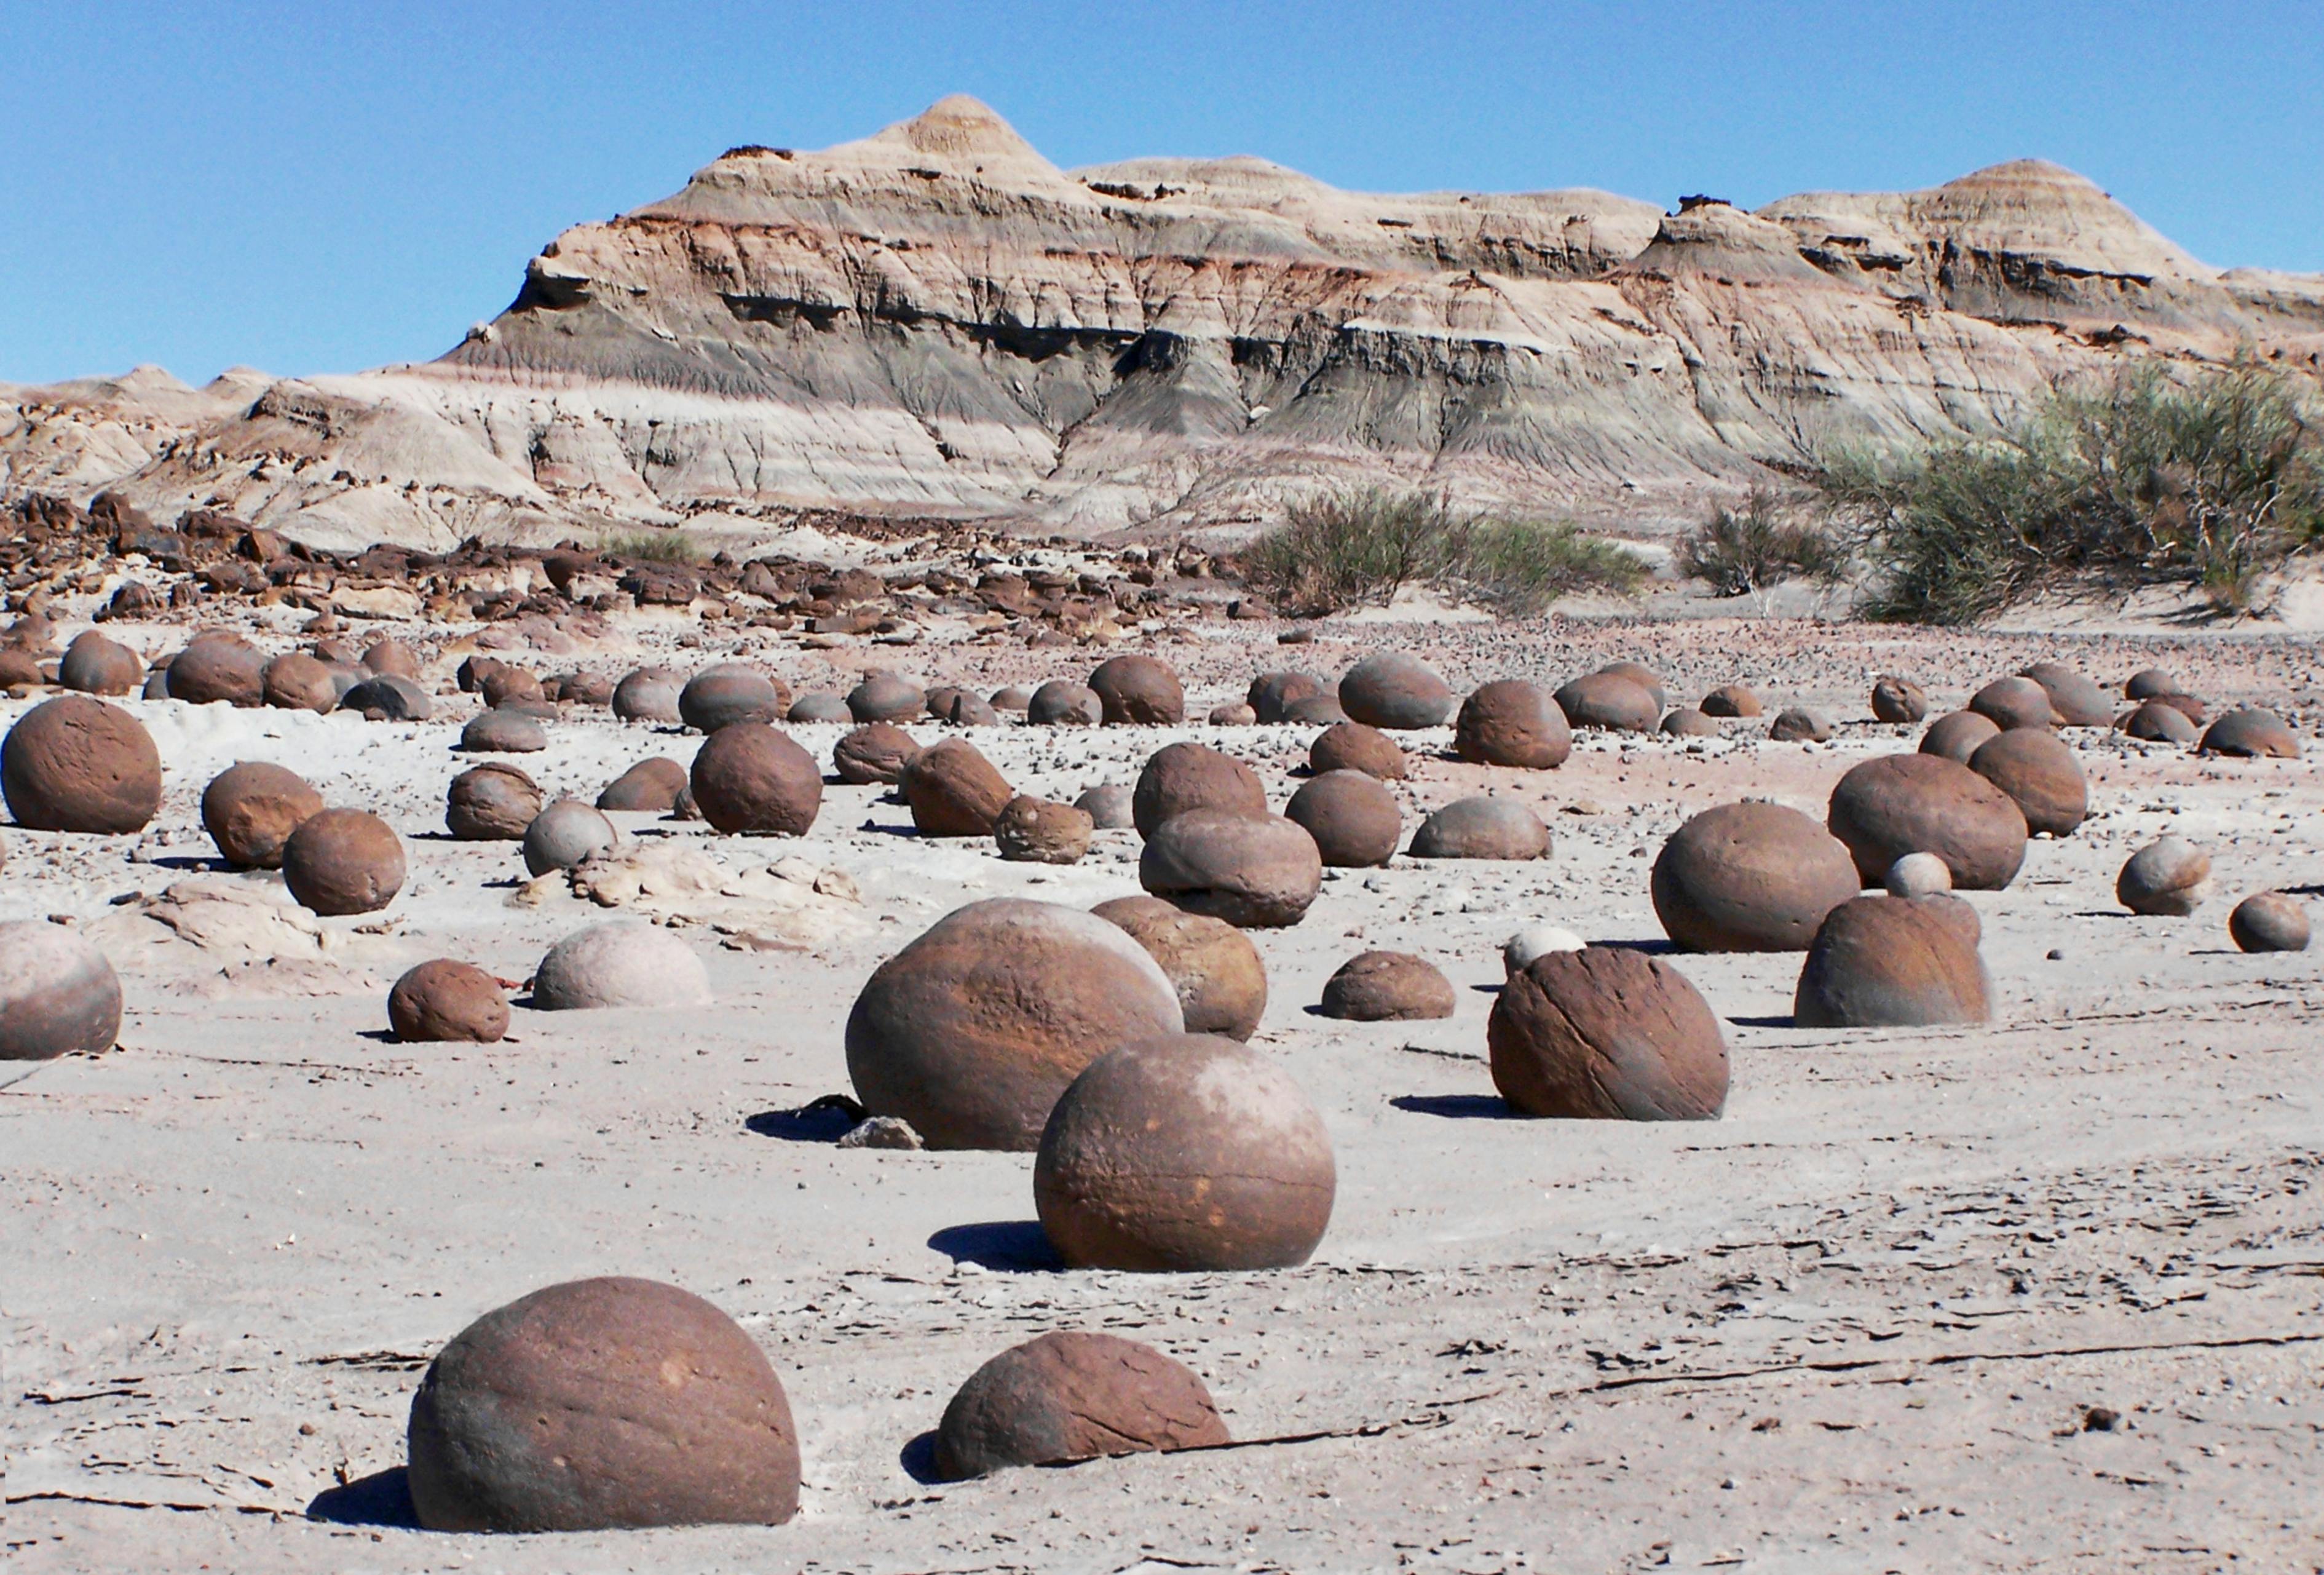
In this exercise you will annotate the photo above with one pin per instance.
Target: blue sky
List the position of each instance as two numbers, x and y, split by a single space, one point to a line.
321 186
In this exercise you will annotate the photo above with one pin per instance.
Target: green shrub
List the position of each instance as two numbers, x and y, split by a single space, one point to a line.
1518 567
661 546
1761 546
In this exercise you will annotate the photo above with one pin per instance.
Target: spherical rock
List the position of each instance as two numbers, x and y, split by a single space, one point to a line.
299 682
1750 877
2252 733
1015 698
1957 735
1315 710
1645 678
250 810
652 787
1898 701
1354 819
2075 700
1183 1153
1896 804
601 1404
1608 700
1271 692
1109 806
953 790
1607 1034
1918 874
1073 1396
1061 703
1222 983
58 995
620 964
1730 699
874 753
940 698
1257 871
1353 746
1798 725
650 694
2169 878
568 833
73 764
747 777
1688 723
506 685
18 669
1387 986
1235 715
390 696
392 657
2151 683
2158 722
1481 827
1893 962
966 710
972 1031
341 862
1511 722
215 666
1534 940
1179 777
503 733
2269 921
1138 689
490 803
581 688
820 706
2013 702
1030 831
93 664
1390 689
447 1002
731 692
2186 704
887 697
2034 766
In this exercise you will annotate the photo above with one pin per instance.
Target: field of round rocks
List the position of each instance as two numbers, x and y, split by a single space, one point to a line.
1382 1093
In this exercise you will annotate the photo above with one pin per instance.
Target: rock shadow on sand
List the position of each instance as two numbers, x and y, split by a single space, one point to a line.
1009 1245
384 1499
1460 1107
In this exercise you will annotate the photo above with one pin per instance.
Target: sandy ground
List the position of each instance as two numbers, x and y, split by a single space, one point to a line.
1859 1324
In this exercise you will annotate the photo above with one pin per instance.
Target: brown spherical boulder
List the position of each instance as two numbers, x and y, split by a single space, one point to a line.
747 777
1607 1034
490 803
1896 804
1138 689
1390 689
299 682
250 810
388 697
719 697
1014 697
580 689
1689 723
2013 702
1750 877
1316 710
874 753
1071 1397
2034 766
58 993
953 790
2158 722
1353 746
1387 986
650 787
1108 806
1645 676
1898 701
598 1406
1030 831
1061 703
1610 700
391 658
820 706
1893 962
967 711
620 964
445 1002
499 732
1257 871
1957 735
341 862
650 694
1183 1153
2151 683
504 685
1511 722
1730 699
2252 734
73 764
19 669
1222 983
1234 715
1354 819
972 1031
93 664
1180 777
2169 877
887 697
568 833
217 666
1272 693
2269 921
1799 725
1481 827
2074 700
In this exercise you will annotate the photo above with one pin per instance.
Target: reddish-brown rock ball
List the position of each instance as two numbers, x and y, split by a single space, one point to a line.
74 763
446 1001
1073 1396
1607 1034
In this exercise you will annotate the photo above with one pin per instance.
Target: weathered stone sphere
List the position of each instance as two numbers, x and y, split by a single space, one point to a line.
1354 819
93 664
1183 1154
1511 722
2169 877
503 684
873 753
1607 1034
1731 700
1750 877
1030 831
503 733
731 692
747 777
1222 983
1608 700
445 1002
940 698
58 995
1918 874
568 833
1316 710
1799 725
490 803
2269 921
156 686
392 657
2034 766
73 764
1645 676
1896 804
1109 805
972 1031
1271 692
341 862
581 688
1234 714
2252 733
652 787
215 666
1898 701
966 710
1688 723
2013 702
1957 735
390 696
1390 689
250 810
2076 701
297 681
650 694
1257 871
1353 746
1138 689
820 706
19 669
887 697
1073 1396
622 963
1518 950
1179 777
953 790
1387 986
1893 962
2159 722
2151 683
1481 827
1015 697
1062 703
602 1404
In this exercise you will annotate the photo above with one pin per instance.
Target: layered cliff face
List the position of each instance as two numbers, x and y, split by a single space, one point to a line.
938 320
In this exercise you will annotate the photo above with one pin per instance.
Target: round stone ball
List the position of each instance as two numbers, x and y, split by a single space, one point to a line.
581 688
719 697
1511 722
2151 683
2252 734
972 1031
1481 827
2034 766
393 658
1353 746
1234 714
19 669
445 1002
623 963
297 681
953 790
1645 676
1073 1396
1354 819
2269 921
1222 983
1387 986
598 1406
58 993
966 710
1390 689
2160 722
1730 699
217 666
567 833
1321 710
505 685
156 686
1918 874
1062 703
1271 693
342 862
1957 735
1534 940
1893 962
250 810
1898 701
93 664
652 787
1610 700
1799 725
650 694
1607 1034
74 763
503 733
1015 697
2074 700
2013 702
874 753
1896 804
391 696
1183 1153
1256 871
820 706
887 697
749 778
1180 777
1750 877
939 699
1030 831
2169 877
1109 805
490 803
1688 723
1138 689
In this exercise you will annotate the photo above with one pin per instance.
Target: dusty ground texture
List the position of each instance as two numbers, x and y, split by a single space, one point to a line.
1866 1321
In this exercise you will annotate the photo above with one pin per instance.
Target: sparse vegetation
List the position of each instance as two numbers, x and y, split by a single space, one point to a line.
665 546
1752 550
1518 567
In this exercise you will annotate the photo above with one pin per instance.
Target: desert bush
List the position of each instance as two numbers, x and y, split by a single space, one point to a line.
662 546
1518 567
1767 541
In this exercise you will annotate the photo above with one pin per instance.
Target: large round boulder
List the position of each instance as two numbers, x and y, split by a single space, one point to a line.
1222 983
1645 676
217 666
2169 877
1353 746
1896 804
343 862
648 694
388 697
1073 1396
73 764
1030 831
732 692
621 963
2035 767
1109 805
2160 722
1957 735
1731 700
1481 827
2074 700
1390 689
2253 734
250 810
296 681
887 697
649 787
1750 877
58 995
93 664
1607 1034
2013 702
446 1002
748 777
1686 722
504 732
1898 701
391 656
1138 689
1063 703
1512 722
1354 819
1610 700
1893 962
819 706
874 753
1257 872
1387 986
953 790
2151 683
1799 725
1180 777
1316 710
2269 921
490 803
1271 694
567 833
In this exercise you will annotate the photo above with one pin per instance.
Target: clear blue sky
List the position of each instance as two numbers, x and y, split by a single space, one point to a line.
322 186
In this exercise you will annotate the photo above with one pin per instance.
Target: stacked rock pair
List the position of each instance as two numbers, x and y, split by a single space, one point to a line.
1212 848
